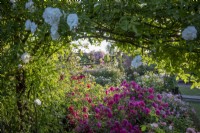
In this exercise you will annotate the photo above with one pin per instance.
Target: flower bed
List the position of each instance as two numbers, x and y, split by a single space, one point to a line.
128 108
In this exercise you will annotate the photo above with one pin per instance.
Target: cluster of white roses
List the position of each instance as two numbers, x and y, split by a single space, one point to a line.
52 17
136 62
28 24
189 33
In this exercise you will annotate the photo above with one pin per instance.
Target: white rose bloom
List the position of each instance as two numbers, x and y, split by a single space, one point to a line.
28 24
52 16
37 101
30 6
136 62
33 27
72 20
189 33
25 57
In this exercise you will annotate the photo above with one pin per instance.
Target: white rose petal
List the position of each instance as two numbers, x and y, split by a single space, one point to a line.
25 57
37 101
189 33
72 21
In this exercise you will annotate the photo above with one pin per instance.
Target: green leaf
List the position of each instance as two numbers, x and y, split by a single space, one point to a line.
143 127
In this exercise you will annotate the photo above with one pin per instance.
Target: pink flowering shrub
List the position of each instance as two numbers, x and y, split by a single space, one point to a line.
81 98
183 115
128 108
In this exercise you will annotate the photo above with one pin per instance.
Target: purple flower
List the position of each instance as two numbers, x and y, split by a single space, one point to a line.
151 90
140 96
157 112
132 98
116 98
111 102
154 105
147 110
125 122
160 107
151 97
159 96
110 115
117 124
98 124
97 110
142 103
123 131
112 88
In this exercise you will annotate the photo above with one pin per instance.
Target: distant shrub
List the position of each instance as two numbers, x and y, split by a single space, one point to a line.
107 75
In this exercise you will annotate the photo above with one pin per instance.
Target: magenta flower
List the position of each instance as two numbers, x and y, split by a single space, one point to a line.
107 92
99 124
147 110
155 105
85 109
110 115
151 90
116 98
112 88
151 97
159 96
157 112
97 110
123 131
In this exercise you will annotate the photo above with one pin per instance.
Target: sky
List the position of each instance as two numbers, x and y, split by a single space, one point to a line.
90 47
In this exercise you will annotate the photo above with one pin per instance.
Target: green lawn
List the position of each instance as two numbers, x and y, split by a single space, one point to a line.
186 90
